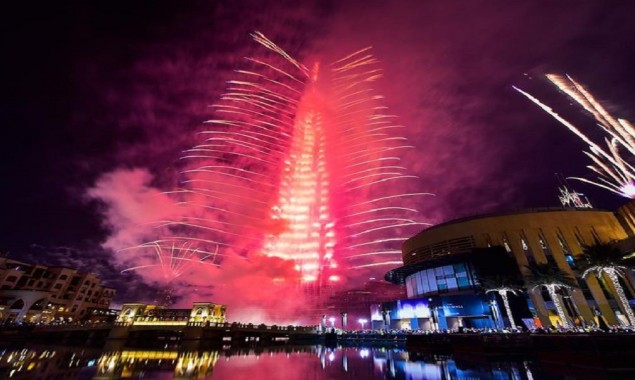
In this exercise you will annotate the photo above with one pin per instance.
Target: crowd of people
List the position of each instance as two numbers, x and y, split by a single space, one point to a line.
507 330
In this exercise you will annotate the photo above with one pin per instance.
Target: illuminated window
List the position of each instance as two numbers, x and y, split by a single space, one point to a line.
568 256
439 280
506 243
432 280
571 261
409 290
526 249
420 287
488 240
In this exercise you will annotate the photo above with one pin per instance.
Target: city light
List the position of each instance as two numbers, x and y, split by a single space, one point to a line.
362 321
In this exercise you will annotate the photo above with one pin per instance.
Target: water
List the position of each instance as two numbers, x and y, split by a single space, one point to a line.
257 363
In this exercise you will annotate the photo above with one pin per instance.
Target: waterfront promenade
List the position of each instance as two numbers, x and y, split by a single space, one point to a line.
173 333
483 342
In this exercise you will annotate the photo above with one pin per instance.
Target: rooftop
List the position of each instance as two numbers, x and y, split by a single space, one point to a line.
515 212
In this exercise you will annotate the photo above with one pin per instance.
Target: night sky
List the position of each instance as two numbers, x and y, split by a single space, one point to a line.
94 87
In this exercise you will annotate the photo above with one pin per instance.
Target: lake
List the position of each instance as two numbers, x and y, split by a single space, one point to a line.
258 363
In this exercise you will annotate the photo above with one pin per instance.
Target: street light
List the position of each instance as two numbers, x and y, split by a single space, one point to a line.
363 321
332 320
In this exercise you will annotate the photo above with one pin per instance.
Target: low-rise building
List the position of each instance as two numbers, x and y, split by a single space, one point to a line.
40 294
146 314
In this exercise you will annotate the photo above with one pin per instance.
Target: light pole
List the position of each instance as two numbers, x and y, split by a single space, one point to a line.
362 321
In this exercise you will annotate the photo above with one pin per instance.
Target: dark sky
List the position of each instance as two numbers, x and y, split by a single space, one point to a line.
90 87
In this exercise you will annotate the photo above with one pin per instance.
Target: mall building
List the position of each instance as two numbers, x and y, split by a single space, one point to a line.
442 265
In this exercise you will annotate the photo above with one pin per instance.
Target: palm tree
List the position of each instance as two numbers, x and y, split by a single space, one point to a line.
605 258
502 285
552 279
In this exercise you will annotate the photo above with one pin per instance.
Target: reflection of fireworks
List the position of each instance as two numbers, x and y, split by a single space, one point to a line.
298 164
614 172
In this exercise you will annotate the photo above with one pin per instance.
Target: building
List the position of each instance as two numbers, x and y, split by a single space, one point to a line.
40 294
445 293
555 236
145 314
626 213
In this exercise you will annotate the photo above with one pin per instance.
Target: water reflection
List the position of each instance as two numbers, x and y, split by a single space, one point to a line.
255 363
382 363
184 365
45 363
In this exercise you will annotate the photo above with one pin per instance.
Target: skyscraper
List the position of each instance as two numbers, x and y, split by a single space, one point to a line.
298 163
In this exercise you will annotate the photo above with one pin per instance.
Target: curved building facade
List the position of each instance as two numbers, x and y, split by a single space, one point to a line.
444 292
554 236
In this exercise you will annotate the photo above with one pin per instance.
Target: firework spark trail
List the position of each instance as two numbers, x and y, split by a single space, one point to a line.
174 260
294 165
614 172
578 93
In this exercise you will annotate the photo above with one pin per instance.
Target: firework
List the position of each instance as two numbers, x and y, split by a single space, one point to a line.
172 258
614 173
299 163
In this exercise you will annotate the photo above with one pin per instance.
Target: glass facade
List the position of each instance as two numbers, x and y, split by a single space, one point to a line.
441 279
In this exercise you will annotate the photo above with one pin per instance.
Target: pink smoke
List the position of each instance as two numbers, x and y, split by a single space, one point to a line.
132 205
255 289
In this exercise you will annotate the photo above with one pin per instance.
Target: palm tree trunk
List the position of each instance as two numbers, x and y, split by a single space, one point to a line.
508 310
626 307
556 301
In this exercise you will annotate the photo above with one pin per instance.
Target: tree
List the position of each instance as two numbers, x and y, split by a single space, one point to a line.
502 285
552 279
605 258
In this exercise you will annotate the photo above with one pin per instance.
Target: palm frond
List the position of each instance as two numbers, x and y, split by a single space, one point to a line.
600 258
548 275
497 283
